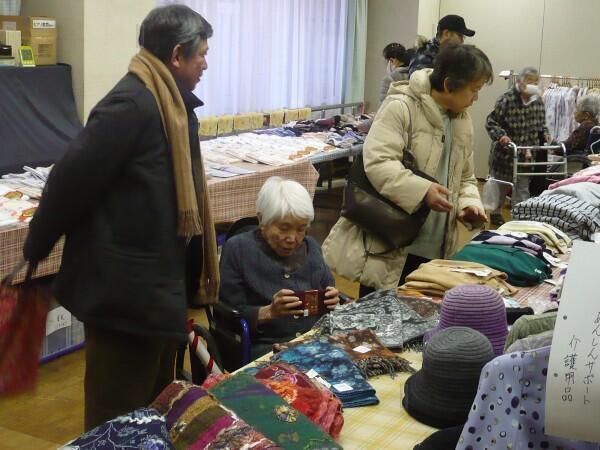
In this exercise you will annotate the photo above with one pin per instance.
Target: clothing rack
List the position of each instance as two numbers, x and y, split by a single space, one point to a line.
561 80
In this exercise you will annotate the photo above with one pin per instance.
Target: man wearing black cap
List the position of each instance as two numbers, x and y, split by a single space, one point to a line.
451 28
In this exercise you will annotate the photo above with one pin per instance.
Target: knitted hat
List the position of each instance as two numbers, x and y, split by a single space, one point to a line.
442 392
478 307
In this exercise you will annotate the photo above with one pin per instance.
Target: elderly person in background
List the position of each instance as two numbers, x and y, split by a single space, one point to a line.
518 117
586 115
261 269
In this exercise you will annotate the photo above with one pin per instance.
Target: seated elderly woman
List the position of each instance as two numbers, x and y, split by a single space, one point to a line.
261 269
586 115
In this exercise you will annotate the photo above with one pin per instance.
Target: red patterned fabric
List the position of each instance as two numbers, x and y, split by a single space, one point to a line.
311 399
23 311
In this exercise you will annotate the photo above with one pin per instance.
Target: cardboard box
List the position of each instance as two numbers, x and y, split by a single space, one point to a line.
12 38
37 32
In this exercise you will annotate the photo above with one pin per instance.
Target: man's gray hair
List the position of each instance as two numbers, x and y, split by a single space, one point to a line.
280 198
589 104
168 26
529 70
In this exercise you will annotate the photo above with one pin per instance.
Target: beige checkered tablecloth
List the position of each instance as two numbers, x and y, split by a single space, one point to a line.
231 199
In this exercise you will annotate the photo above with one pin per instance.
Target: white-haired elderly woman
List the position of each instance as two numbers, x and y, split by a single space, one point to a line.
587 113
261 269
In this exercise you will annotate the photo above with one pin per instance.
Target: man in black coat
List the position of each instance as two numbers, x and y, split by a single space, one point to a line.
451 28
115 196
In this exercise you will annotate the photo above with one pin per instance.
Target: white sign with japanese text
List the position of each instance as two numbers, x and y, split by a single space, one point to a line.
573 386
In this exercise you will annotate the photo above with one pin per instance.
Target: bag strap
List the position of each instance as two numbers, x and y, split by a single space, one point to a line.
408 158
9 279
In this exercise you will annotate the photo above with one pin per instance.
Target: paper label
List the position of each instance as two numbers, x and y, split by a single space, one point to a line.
573 386
312 373
477 272
43 23
57 318
323 382
362 349
342 387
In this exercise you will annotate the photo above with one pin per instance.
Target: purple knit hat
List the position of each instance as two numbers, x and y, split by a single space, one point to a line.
478 307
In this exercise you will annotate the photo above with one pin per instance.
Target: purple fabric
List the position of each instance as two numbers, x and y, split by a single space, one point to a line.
509 408
478 307
179 406
522 244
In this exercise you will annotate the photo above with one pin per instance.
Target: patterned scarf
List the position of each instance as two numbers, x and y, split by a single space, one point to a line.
195 420
194 213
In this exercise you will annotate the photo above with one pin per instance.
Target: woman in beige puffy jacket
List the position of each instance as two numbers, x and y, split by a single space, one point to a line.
433 103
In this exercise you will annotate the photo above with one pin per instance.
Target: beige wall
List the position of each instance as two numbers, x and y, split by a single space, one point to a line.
388 21
69 19
556 36
429 14
97 38
111 28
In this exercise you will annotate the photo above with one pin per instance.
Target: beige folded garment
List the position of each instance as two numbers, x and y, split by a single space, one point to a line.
439 275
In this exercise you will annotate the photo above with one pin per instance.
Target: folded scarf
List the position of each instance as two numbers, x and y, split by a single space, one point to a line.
332 367
143 429
269 414
193 206
195 420
393 319
311 399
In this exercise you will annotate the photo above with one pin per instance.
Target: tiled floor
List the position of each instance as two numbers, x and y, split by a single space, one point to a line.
53 413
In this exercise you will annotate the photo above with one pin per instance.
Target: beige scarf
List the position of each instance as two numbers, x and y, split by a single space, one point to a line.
193 207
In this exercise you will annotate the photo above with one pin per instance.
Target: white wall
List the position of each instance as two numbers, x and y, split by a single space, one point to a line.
429 14
97 38
111 28
388 21
556 36
69 20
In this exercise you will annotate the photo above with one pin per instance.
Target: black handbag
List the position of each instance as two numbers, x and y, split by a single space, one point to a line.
376 214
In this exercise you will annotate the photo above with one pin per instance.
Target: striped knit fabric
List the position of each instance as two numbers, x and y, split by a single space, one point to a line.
478 307
577 218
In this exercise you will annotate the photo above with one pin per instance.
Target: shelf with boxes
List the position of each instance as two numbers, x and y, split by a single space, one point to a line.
37 32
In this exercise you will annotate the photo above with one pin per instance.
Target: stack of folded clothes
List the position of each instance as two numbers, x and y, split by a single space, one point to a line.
439 275
521 267
555 239
332 367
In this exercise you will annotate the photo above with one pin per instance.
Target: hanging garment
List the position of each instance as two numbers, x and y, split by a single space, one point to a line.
335 368
521 268
142 429
439 275
509 409
575 217
269 414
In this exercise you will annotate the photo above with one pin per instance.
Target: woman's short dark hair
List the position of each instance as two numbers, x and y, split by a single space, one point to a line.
460 64
394 50
167 26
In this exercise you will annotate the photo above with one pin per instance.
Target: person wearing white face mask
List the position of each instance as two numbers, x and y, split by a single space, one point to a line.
397 58
518 117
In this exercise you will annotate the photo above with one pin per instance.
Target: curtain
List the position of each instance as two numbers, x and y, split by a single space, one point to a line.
270 54
356 51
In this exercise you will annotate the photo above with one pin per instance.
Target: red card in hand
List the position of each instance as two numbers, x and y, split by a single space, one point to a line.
313 302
